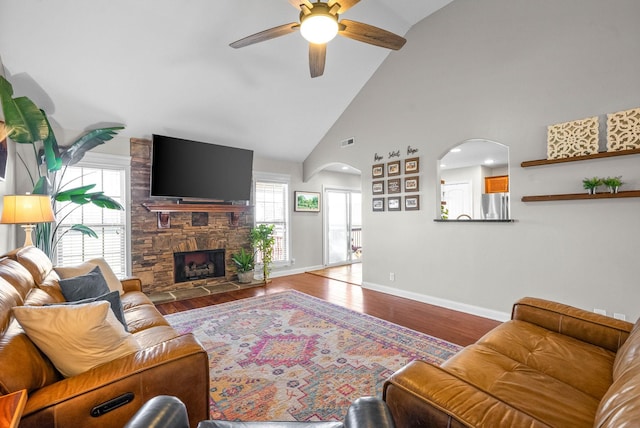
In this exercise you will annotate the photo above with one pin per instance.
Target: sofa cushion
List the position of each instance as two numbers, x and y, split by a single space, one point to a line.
561 357
85 286
620 406
76 338
543 397
23 365
113 297
629 352
17 275
37 263
112 280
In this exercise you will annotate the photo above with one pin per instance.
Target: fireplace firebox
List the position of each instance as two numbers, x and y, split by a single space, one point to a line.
194 265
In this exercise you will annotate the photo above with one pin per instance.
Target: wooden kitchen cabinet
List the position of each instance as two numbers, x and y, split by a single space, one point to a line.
496 184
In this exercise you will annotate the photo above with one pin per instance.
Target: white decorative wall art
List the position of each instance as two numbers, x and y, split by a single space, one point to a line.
576 138
623 130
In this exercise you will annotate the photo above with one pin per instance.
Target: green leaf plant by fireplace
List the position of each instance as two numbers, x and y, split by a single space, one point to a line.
25 123
263 241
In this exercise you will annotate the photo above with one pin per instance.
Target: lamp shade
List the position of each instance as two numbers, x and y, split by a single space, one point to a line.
27 209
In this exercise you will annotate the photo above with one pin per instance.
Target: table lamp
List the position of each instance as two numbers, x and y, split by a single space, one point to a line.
27 210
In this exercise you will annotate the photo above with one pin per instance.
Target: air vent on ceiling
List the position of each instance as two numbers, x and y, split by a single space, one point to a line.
348 142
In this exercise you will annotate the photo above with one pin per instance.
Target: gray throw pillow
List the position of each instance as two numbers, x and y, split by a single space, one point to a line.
86 286
113 297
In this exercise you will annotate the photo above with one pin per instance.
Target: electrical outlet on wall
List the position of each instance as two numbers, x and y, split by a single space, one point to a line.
392 276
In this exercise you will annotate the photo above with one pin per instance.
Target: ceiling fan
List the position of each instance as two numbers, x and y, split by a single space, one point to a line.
319 24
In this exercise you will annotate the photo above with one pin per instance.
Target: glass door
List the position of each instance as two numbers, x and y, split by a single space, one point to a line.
343 226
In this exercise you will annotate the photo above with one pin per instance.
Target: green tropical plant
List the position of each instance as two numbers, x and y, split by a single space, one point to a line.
263 241
244 260
613 181
591 183
25 123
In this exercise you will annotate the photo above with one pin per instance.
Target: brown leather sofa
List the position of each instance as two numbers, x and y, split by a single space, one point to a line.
551 365
167 363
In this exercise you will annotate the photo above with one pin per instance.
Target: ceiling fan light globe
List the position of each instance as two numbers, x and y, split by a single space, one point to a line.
319 28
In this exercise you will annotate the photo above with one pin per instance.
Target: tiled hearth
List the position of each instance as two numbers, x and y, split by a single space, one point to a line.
205 290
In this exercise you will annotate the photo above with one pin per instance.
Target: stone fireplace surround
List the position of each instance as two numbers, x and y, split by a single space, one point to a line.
152 248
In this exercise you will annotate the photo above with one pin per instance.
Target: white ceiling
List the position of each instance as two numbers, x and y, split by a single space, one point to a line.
165 67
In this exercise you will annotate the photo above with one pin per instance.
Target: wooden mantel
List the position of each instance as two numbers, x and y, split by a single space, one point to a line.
234 211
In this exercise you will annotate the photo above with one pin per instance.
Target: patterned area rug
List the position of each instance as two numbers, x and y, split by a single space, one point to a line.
292 357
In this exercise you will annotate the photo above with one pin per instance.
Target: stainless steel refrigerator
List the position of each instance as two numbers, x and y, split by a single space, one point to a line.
495 206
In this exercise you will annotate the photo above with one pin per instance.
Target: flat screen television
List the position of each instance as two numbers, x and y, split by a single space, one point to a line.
193 170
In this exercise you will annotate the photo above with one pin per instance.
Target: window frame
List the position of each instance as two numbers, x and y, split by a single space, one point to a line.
120 163
265 177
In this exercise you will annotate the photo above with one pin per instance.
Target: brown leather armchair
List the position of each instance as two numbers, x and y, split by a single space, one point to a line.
551 365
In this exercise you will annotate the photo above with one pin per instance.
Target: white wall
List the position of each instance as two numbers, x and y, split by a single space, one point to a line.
306 228
503 70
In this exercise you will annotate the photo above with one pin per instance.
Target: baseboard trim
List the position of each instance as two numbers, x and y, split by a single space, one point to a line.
287 270
437 301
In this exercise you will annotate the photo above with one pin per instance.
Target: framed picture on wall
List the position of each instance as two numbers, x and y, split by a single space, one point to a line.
412 184
377 204
307 201
377 187
411 165
412 203
393 168
393 203
377 171
393 185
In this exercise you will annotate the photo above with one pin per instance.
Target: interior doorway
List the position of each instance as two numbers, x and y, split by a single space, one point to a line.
342 226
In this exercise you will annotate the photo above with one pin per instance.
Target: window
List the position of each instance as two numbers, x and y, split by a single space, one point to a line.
272 207
110 174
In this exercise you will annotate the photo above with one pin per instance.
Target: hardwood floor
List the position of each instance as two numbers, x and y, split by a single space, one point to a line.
455 327
348 273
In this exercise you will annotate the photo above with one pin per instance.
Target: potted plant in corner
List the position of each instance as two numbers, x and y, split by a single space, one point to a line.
245 262
263 241
25 123
591 184
613 183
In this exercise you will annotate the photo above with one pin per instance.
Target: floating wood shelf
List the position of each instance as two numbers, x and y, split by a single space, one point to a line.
234 211
599 155
575 196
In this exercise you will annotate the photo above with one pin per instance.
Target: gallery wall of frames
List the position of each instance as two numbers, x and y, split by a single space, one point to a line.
395 184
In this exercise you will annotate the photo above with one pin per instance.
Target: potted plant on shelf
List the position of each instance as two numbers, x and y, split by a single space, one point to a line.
263 241
245 262
25 123
613 183
591 184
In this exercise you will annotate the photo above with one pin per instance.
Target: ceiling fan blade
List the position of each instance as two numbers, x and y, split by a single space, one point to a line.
297 3
369 34
317 58
269 34
344 4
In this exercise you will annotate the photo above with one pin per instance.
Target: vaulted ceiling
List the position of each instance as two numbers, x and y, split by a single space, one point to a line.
165 67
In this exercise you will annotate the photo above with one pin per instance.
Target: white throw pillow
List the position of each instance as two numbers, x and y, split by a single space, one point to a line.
76 338
113 282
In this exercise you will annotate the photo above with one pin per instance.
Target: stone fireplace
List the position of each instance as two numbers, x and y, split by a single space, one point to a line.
155 239
194 265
